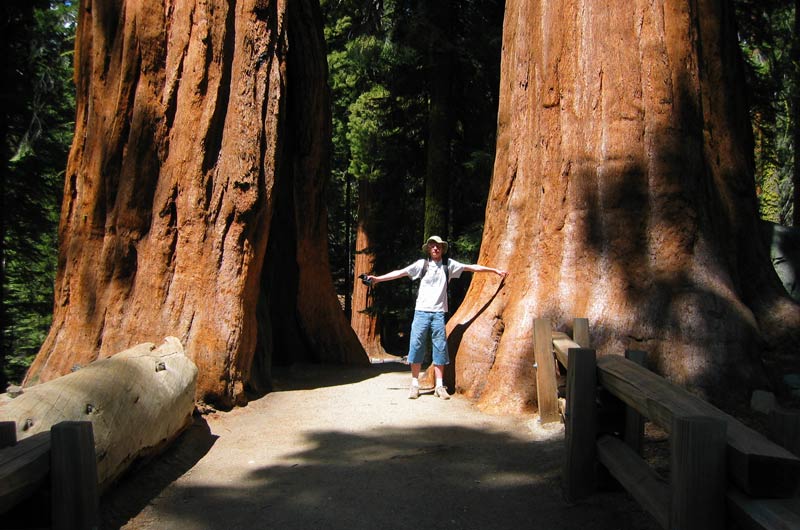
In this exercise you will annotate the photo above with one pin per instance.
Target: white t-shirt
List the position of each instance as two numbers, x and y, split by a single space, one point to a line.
432 295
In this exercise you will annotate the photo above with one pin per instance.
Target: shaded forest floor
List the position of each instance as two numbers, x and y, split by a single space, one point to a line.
338 447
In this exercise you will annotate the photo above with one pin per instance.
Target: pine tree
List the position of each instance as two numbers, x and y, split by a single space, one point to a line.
37 122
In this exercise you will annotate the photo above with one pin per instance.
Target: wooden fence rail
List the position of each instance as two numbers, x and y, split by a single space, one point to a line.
66 455
718 466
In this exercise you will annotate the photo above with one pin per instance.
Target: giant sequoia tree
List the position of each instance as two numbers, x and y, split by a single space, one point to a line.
194 188
623 192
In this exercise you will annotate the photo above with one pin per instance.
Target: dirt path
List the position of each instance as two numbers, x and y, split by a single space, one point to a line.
344 448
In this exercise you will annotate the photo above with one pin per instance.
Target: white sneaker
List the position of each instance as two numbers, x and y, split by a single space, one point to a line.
413 392
441 392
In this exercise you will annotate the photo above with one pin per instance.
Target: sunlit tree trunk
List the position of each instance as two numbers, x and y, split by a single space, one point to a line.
196 123
623 192
364 319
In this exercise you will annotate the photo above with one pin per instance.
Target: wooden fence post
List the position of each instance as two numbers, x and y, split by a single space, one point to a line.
8 433
784 429
581 425
546 384
73 469
697 467
634 422
580 331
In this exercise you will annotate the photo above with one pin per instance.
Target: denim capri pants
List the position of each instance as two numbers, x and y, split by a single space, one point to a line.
428 324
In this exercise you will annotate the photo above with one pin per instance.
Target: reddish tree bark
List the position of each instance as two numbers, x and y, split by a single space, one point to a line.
196 123
623 192
363 319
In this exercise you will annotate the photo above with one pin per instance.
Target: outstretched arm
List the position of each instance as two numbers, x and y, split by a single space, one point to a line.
481 268
394 275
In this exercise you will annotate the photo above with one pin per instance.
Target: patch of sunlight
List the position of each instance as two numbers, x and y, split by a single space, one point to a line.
508 479
545 431
382 453
312 499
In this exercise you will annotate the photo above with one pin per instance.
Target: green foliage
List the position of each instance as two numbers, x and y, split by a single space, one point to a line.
37 133
766 38
377 123
379 58
367 134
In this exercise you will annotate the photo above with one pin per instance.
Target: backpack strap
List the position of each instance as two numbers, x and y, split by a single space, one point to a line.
445 262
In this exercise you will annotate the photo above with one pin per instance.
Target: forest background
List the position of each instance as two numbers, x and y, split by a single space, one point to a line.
388 109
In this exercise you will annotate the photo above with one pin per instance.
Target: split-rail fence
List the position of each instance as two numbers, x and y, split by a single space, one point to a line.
722 474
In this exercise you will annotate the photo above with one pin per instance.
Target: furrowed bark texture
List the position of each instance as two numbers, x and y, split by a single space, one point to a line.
322 323
623 192
182 147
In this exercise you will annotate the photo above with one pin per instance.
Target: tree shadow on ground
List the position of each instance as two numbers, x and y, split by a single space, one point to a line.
307 376
445 477
145 480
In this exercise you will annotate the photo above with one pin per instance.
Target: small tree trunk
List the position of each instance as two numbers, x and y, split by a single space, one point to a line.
796 115
364 319
437 173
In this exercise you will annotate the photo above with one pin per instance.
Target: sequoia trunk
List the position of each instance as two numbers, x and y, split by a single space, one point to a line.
623 192
183 152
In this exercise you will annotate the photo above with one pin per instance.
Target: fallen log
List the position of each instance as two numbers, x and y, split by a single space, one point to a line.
137 400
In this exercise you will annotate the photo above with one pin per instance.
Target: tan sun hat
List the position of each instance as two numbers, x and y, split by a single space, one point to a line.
437 239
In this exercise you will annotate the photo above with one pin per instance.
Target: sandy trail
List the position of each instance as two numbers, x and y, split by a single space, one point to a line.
337 447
